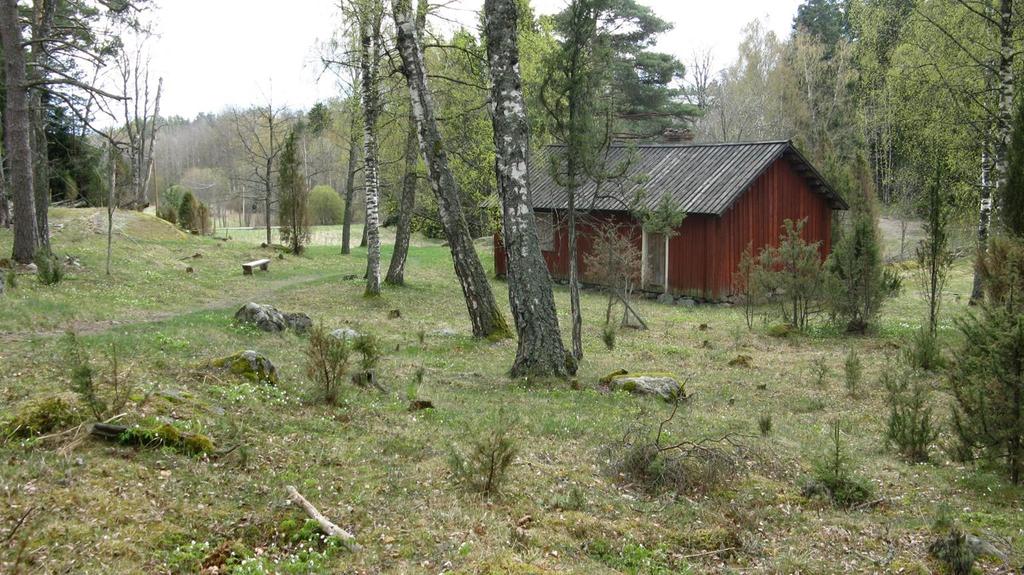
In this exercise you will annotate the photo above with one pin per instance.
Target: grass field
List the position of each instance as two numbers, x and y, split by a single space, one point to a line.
72 504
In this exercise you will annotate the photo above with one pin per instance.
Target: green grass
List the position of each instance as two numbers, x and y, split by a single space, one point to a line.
381 471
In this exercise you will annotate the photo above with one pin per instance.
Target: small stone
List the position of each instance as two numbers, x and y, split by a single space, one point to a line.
444 332
298 322
265 317
663 385
395 314
32 268
345 333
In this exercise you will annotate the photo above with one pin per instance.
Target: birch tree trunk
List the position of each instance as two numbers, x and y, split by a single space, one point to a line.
540 350
406 205
17 134
350 181
994 164
370 38
483 310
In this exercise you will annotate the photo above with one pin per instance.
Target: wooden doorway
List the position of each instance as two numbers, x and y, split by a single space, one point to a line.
655 256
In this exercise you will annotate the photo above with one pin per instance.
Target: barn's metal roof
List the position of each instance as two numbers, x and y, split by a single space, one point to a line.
702 178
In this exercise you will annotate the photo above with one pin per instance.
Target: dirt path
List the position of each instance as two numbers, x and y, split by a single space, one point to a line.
90 327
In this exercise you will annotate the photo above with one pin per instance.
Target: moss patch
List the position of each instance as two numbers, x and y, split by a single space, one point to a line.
43 415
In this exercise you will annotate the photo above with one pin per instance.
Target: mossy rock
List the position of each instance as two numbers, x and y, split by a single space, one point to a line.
42 415
781 330
658 383
162 434
249 364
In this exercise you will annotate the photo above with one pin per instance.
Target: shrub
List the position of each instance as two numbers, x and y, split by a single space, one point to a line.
49 269
820 371
11 279
327 362
852 372
40 416
954 551
187 212
369 349
923 351
744 285
764 424
910 430
326 207
793 272
482 467
608 334
104 394
833 477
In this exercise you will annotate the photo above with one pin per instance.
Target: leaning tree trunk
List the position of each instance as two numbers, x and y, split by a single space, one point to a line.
483 310
368 63
540 350
350 183
406 205
18 134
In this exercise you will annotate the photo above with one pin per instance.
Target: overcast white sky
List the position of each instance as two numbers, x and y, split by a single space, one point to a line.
219 53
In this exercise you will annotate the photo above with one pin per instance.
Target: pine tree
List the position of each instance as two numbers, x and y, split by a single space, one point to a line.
987 379
187 212
855 266
293 216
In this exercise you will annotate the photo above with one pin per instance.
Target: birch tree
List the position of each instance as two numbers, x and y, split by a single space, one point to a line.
369 16
484 314
540 350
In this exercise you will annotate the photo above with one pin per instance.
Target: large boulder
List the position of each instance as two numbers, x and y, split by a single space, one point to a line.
663 385
265 317
268 318
249 364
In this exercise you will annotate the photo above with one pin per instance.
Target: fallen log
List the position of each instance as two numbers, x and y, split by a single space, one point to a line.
326 525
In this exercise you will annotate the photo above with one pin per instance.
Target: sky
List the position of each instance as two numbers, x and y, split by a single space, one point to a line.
216 54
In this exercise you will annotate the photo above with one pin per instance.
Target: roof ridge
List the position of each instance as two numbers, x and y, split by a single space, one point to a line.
690 145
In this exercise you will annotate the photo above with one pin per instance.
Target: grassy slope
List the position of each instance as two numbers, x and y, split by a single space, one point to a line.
381 471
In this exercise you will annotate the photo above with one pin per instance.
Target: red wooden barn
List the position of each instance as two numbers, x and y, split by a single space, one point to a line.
733 195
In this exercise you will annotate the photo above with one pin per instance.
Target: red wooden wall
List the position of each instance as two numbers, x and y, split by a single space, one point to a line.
707 249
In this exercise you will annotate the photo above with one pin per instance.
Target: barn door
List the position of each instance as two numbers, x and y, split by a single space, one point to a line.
655 260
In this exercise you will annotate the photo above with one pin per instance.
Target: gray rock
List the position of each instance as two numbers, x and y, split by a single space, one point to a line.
265 317
666 298
445 332
663 385
686 302
345 333
298 322
32 268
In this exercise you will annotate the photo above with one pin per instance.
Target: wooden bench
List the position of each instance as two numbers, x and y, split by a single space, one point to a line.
248 266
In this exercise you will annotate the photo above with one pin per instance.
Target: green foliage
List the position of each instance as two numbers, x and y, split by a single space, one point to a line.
152 433
745 286
1011 196
986 379
608 333
49 268
856 278
665 218
187 216
834 478
105 394
764 424
793 272
11 280
170 203
327 362
293 214
934 257
326 208
482 466
910 429
853 372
